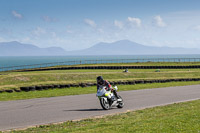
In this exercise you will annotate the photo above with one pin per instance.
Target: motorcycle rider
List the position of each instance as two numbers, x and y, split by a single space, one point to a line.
101 83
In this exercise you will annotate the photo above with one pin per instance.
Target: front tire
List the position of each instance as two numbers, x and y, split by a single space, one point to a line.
105 103
121 104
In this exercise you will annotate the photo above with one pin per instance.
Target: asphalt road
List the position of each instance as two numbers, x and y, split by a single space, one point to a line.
25 113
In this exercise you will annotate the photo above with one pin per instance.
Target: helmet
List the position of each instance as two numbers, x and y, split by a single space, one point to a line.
100 80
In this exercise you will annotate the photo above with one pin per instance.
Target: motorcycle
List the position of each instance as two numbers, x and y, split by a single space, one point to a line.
108 99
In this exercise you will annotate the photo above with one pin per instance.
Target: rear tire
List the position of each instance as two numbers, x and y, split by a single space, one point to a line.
104 104
121 104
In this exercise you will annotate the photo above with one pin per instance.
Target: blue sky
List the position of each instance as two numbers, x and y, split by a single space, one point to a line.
79 24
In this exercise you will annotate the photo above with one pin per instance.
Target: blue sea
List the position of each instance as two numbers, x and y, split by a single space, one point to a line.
30 60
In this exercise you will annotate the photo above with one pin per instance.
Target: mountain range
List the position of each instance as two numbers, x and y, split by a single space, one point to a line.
18 49
122 47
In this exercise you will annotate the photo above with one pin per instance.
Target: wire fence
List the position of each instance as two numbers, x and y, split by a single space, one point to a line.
24 67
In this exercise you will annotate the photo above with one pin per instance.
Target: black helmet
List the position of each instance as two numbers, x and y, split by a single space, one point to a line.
100 80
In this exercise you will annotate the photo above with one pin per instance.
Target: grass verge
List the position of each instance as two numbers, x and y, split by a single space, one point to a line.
87 90
181 117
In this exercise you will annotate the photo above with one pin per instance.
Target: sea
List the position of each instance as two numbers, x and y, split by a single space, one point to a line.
9 61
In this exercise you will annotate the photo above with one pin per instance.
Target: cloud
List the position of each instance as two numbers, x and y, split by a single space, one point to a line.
197 28
6 31
53 34
134 21
69 30
158 21
49 19
90 22
39 31
101 30
17 15
2 39
25 40
118 24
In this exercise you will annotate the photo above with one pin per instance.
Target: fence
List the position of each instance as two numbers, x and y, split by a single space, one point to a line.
22 67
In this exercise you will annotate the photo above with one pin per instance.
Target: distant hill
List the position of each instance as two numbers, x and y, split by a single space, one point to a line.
122 47
126 47
18 49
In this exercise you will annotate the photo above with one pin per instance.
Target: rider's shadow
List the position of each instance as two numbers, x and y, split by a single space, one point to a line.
85 110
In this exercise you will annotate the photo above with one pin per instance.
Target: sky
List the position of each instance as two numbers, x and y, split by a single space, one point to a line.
80 24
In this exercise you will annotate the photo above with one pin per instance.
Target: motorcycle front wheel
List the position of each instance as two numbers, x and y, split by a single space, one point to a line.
104 103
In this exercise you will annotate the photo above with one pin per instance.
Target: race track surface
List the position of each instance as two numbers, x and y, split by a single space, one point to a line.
25 113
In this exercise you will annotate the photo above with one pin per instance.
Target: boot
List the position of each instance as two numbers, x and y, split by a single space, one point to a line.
115 93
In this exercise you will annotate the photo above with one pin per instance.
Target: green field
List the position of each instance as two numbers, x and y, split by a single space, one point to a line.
17 79
13 80
181 117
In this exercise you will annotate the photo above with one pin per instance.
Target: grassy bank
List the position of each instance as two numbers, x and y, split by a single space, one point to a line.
18 79
87 90
181 117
